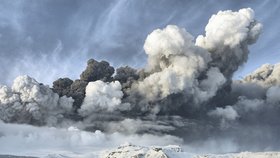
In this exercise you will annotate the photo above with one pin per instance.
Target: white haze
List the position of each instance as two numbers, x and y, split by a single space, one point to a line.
42 141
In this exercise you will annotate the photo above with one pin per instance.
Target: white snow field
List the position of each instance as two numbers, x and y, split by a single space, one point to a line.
171 151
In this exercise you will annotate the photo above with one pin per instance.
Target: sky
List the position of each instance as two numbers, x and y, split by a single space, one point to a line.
52 39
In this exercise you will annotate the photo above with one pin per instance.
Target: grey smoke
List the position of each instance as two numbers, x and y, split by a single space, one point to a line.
31 102
77 92
62 86
125 74
76 89
228 42
97 71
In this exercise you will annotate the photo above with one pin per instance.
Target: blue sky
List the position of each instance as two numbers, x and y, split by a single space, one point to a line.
55 38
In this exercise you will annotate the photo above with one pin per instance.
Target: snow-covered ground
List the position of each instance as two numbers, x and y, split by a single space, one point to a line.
49 142
132 151
171 151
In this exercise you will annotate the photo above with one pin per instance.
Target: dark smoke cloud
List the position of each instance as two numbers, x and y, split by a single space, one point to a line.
77 92
62 86
97 71
126 75
76 89
185 90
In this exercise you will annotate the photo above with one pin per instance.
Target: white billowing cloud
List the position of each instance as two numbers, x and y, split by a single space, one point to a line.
173 61
177 64
260 74
31 91
162 45
227 36
209 86
267 75
227 113
31 102
101 96
228 28
7 96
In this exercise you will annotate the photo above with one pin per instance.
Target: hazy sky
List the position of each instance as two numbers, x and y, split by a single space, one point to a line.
48 39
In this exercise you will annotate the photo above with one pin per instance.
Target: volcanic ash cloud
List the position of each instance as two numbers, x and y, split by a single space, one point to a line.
28 101
185 90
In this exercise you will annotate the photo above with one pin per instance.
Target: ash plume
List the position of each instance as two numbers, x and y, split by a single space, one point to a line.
267 75
101 96
62 86
227 36
28 101
185 90
126 76
97 71
76 89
